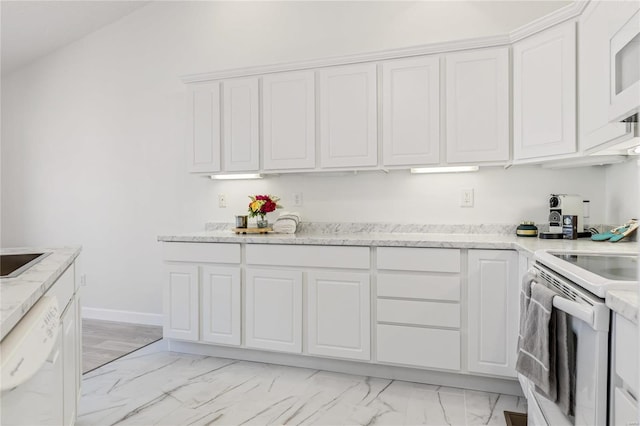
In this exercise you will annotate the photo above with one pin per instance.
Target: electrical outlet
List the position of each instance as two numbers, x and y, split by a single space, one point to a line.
222 201
83 279
297 199
466 197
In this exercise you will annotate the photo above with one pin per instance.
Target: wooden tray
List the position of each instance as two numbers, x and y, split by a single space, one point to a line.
253 230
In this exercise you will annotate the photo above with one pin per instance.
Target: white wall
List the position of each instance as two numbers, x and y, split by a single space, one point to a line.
622 198
92 149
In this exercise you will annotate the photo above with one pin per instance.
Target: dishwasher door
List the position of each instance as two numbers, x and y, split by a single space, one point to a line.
31 367
39 400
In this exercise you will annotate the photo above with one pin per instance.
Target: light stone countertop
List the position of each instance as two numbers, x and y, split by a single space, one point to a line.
625 303
397 239
19 294
469 237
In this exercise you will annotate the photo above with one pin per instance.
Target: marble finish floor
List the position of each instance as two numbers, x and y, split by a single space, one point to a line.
167 388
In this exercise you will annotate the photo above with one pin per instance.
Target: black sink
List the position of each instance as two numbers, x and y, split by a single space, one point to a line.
12 265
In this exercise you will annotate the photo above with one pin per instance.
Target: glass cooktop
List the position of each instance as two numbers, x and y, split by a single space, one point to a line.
612 267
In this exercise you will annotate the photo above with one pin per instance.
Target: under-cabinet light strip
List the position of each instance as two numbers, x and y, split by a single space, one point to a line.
453 169
237 176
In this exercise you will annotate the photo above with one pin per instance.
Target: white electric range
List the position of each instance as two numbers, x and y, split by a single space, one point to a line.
582 280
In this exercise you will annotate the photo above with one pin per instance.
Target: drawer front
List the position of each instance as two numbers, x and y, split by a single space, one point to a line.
421 347
444 287
311 256
419 313
419 259
202 252
627 352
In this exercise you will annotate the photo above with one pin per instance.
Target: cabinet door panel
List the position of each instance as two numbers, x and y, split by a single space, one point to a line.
203 127
348 116
339 314
288 105
220 305
411 111
544 93
240 114
478 106
274 310
181 302
493 311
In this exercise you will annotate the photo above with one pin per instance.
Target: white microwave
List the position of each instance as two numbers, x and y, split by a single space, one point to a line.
624 100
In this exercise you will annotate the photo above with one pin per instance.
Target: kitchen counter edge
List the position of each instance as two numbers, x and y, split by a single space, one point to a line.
19 294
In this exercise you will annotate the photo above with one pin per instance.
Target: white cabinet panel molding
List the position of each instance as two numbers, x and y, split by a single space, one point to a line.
181 300
411 111
493 311
220 305
477 101
348 116
338 314
273 310
288 107
544 93
241 115
203 127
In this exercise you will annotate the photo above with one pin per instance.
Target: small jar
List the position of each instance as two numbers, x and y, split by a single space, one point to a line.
241 221
527 229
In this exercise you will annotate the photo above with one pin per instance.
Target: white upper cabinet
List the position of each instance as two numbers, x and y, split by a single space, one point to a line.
411 111
288 108
348 116
240 123
478 106
544 93
594 77
203 127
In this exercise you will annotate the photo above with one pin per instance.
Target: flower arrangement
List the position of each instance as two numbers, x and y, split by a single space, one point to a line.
260 205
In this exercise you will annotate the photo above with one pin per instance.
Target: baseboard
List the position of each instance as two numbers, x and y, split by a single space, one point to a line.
122 316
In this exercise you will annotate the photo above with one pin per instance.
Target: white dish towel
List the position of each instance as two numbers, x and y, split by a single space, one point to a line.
287 223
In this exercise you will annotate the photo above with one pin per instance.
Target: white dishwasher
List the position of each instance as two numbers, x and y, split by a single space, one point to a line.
31 368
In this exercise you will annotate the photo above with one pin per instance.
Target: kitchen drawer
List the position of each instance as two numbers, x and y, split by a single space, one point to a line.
443 287
311 256
419 259
202 252
421 347
419 313
626 341
625 409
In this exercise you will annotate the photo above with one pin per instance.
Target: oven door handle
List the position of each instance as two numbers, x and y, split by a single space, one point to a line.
571 308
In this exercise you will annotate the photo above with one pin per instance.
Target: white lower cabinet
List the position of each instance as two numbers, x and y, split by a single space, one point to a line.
338 317
326 301
273 310
202 292
493 291
181 300
418 307
220 305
